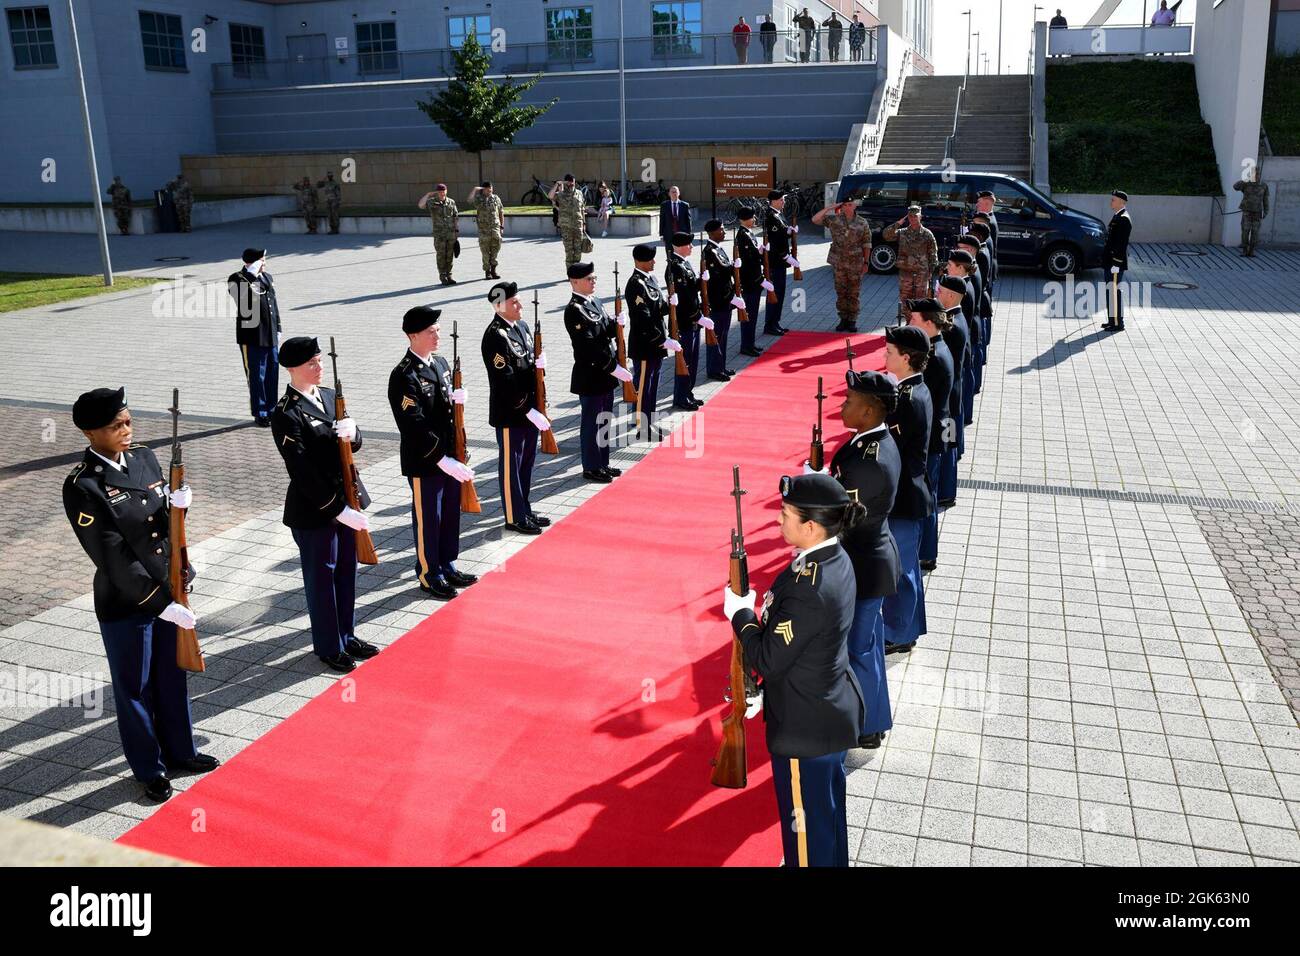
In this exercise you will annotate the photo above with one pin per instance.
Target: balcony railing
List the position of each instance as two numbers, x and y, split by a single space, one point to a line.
1119 40
566 56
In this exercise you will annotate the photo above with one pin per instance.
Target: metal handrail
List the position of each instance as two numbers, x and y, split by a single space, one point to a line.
956 115
869 144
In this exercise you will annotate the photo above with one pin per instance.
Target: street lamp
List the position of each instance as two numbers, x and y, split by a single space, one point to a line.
968 21
999 37
622 109
977 52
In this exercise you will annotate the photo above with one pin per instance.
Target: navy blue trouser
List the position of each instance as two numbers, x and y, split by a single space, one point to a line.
150 694
716 359
867 658
968 389
688 333
904 612
329 575
262 369
929 550
516 452
749 329
595 445
772 317
435 524
814 819
647 395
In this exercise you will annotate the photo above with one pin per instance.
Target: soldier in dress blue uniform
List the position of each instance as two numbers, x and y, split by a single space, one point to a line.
798 645
971 245
647 338
117 502
929 316
720 277
512 411
990 244
596 372
960 265
907 352
423 405
868 466
257 332
776 237
957 337
752 282
315 508
984 201
685 285
1115 258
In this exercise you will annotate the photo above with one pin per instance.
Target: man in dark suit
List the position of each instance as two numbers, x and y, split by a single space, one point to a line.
1115 259
674 216
596 371
257 332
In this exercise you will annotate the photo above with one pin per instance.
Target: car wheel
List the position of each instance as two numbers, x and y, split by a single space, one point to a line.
1061 261
884 258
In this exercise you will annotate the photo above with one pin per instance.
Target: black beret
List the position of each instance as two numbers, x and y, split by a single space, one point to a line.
712 224
485 184
926 306
252 255
981 217
746 214
682 238
643 252
962 256
568 177
1120 194
813 491
774 194
298 350
419 318
908 338
876 384
981 230
580 270
502 291
984 194
98 407
969 240
953 284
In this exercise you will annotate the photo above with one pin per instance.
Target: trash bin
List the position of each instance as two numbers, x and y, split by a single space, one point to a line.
167 221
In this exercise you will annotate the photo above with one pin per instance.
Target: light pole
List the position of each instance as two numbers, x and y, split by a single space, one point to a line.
96 205
622 109
999 37
977 52
968 21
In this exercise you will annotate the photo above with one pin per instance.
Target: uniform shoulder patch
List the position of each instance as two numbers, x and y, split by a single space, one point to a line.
407 402
872 450
786 630
76 472
84 520
498 361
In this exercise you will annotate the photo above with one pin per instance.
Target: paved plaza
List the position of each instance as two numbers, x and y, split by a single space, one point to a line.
1112 669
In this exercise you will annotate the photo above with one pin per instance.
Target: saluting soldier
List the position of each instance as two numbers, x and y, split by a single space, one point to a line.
752 281
121 197
1115 258
512 380
648 342
957 337
257 332
446 229
490 218
720 277
333 194
918 254
423 405
1254 208
849 257
117 502
929 316
798 645
315 507
868 465
308 203
907 352
183 199
596 372
684 285
776 239
571 205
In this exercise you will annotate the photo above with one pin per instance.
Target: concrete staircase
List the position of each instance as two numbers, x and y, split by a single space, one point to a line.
916 135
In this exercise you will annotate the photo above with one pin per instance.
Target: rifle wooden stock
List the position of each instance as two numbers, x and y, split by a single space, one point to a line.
351 478
672 325
794 254
767 273
709 337
469 502
743 315
848 350
629 392
189 656
547 443
730 765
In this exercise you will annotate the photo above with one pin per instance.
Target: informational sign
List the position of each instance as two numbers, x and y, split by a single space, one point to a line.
743 176
341 46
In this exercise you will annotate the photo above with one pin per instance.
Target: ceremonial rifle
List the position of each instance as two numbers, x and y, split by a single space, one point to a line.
794 251
848 350
743 316
629 393
189 656
816 454
351 479
468 495
548 445
767 271
672 324
709 337
730 765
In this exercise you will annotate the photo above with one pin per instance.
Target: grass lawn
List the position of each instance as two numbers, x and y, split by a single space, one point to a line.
1282 104
22 290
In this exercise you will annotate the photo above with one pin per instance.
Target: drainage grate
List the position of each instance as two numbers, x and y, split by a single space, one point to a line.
1187 252
1136 497
1177 285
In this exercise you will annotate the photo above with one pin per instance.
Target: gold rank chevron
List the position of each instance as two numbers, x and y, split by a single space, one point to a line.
786 630
407 402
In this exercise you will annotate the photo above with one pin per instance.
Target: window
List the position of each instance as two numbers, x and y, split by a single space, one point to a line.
377 47
676 28
247 46
937 195
32 38
568 34
879 193
164 42
478 26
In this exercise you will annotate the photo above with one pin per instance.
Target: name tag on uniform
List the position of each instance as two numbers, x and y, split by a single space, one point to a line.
120 497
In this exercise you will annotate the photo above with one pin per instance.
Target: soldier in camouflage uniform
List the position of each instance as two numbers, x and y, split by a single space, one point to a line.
442 215
491 219
308 202
918 255
333 199
121 205
849 257
572 204
1254 207
183 198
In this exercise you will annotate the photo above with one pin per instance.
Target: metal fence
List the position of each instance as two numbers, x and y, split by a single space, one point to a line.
560 56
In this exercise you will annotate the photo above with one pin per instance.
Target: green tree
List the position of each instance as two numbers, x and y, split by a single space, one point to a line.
477 113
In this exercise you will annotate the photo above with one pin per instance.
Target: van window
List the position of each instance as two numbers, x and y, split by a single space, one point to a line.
1008 202
878 192
939 196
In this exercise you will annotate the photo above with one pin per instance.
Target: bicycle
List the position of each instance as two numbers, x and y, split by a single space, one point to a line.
731 209
537 195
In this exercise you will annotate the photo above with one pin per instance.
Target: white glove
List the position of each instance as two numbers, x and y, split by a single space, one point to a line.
1114 270
794 263
346 429
181 497
672 299
541 361
768 286
738 302
673 346
762 247
461 472
622 374
793 229
458 396
622 320
733 604
705 275
808 469
538 419
755 704
706 322
179 615
353 519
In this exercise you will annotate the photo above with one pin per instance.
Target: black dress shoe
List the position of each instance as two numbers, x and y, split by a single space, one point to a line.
612 472
776 331
685 408
540 521
730 371
947 502
360 649
597 476
899 648
1106 326
199 763
459 579
871 741
262 422
158 789
720 377
441 590
523 527
929 565
340 662
752 353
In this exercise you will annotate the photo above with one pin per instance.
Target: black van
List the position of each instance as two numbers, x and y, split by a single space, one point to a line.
1033 231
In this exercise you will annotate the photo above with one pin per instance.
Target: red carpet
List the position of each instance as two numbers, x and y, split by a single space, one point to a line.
564 710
